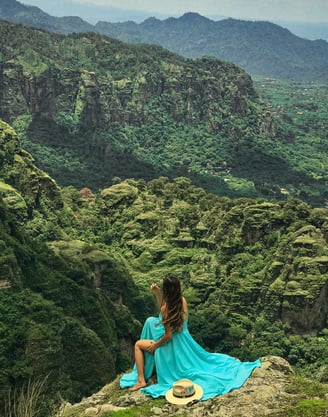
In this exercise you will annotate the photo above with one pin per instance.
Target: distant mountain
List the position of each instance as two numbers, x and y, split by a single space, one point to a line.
92 13
261 48
17 12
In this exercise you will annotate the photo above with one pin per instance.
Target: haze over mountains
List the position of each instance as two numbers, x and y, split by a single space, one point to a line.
93 13
261 48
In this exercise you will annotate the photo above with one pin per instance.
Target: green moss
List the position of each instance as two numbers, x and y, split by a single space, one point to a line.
308 387
14 200
4 188
293 286
142 410
119 194
178 256
145 262
305 240
124 82
32 62
318 260
278 285
18 159
309 408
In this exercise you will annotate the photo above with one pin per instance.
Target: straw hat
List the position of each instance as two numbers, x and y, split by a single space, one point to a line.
183 392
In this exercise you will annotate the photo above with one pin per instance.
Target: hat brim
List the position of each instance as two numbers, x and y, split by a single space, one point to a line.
184 400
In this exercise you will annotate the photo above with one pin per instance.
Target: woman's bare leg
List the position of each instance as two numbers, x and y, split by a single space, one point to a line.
139 349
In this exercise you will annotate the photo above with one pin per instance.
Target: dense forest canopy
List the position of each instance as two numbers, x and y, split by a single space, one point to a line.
90 108
76 267
120 164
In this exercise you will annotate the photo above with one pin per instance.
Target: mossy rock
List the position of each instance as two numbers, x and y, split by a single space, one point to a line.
275 268
81 250
9 143
293 286
278 285
158 246
305 241
14 200
184 239
178 256
144 262
119 194
148 217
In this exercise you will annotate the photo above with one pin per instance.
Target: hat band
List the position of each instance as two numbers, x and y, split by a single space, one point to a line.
183 392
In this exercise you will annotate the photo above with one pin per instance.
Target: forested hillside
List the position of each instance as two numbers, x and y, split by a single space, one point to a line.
58 309
126 143
261 48
75 267
90 108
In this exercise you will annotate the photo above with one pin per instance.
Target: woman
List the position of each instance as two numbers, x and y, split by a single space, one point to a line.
166 344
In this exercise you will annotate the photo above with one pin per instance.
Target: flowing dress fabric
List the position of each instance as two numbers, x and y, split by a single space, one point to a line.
182 357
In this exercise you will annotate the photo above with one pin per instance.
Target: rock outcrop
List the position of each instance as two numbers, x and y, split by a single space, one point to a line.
268 392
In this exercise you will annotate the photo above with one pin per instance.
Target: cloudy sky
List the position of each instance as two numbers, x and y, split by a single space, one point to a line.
291 10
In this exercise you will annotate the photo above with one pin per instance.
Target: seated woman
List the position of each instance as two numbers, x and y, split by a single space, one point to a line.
165 343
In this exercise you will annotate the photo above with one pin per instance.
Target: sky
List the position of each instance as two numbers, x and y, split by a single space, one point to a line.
285 10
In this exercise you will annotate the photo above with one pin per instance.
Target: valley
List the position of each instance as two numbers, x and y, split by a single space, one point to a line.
121 163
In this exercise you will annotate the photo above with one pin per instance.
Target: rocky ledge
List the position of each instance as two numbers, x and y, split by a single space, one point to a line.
270 391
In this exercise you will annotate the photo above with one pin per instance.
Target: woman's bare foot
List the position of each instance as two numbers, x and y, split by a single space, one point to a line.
137 386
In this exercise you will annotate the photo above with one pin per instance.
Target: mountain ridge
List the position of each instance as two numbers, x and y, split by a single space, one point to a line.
261 48
135 110
274 52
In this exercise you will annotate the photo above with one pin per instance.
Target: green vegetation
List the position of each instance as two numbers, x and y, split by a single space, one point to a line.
301 110
76 268
260 48
144 409
56 311
75 265
94 108
311 398
244 263
28 402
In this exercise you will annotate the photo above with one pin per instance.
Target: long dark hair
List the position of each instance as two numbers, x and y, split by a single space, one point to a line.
172 296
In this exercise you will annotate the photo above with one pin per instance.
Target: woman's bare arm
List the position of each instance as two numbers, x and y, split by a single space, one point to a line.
156 290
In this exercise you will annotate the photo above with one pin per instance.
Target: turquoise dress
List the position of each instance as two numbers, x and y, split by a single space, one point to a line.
182 357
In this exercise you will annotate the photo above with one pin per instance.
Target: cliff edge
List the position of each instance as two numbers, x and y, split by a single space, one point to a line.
272 390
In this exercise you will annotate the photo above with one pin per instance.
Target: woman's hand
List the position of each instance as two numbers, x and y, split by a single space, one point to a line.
157 291
151 347
154 287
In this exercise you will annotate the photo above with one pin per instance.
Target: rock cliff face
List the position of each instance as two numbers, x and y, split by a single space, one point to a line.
18 169
90 108
113 104
303 307
194 93
268 392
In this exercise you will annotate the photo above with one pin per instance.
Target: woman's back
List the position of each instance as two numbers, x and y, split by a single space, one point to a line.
182 312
